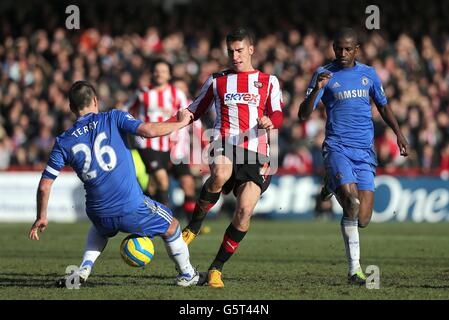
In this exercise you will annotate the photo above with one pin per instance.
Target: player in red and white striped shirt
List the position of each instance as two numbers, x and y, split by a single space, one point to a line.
248 103
157 104
184 138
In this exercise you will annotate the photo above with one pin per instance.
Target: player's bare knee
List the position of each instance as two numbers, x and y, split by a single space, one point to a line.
218 179
187 184
241 224
364 222
162 183
243 227
242 218
352 207
172 228
163 186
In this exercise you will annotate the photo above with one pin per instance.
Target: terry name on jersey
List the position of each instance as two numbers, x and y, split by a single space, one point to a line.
85 129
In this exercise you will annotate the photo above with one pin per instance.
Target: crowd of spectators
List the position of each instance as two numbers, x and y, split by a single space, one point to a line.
40 58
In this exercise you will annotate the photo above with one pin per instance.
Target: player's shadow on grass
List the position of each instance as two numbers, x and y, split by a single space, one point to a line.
28 280
423 286
48 280
130 276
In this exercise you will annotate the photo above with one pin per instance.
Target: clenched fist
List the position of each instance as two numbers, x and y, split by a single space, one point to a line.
184 116
264 123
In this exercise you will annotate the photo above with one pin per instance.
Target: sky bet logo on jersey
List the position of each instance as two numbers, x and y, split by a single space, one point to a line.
242 98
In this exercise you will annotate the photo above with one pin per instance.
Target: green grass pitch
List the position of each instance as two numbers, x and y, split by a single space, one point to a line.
277 260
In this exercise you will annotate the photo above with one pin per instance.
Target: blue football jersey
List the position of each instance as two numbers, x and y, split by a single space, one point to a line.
96 148
347 100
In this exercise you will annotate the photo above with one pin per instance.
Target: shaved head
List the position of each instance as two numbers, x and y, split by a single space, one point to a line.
346 33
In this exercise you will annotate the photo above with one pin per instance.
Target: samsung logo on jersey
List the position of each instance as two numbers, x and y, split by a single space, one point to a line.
360 93
242 98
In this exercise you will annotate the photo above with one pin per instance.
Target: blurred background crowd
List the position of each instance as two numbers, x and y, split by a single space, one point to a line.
40 58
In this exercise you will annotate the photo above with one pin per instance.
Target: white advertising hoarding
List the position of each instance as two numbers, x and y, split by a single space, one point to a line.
18 197
417 199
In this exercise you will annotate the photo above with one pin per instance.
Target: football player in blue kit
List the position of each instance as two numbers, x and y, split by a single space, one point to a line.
345 87
96 148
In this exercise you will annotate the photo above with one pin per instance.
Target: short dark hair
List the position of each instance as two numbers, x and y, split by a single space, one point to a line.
345 33
239 34
80 95
163 61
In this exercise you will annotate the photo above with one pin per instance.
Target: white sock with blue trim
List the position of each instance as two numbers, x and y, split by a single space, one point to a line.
350 232
179 252
95 244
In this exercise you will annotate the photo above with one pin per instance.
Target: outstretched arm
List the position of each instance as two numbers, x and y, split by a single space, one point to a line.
43 194
389 118
158 129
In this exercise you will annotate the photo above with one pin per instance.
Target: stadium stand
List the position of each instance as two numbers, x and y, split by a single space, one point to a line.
39 59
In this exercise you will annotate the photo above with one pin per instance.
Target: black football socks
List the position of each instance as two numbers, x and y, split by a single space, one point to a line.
205 202
231 240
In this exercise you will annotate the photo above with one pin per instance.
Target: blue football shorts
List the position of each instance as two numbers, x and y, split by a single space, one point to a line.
149 220
345 165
